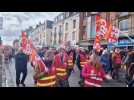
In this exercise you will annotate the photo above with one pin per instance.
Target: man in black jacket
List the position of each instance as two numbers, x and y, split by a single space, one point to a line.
21 67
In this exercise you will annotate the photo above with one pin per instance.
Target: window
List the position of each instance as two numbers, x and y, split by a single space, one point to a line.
51 34
108 16
55 30
60 29
55 20
74 23
68 14
66 26
123 14
66 36
84 36
42 28
73 36
123 25
61 17
86 13
93 29
59 38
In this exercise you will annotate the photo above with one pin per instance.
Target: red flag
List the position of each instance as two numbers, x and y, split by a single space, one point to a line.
97 42
24 40
104 30
101 26
29 50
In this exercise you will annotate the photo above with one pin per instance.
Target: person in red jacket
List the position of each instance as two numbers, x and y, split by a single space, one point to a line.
61 68
94 73
47 79
116 61
70 61
81 61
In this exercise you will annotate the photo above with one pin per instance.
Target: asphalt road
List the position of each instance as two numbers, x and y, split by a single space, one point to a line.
73 80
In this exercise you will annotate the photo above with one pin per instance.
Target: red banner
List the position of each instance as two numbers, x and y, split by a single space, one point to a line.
29 50
104 30
24 40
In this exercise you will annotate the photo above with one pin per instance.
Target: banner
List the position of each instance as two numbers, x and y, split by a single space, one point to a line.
37 61
29 50
105 30
23 40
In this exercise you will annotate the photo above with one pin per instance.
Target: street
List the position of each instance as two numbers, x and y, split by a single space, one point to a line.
73 80
11 76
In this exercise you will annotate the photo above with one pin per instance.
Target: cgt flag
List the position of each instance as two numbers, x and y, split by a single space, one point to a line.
37 61
28 49
105 30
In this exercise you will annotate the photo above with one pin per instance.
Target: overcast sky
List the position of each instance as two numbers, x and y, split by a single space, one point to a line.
15 21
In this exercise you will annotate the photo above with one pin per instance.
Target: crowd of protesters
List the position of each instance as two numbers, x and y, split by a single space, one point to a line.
94 66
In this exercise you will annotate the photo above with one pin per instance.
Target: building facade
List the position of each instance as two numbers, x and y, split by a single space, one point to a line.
71 27
66 28
125 22
41 34
37 35
48 33
57 31
80 27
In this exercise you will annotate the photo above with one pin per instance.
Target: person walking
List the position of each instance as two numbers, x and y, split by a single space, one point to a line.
81 61
21 60
116 61
60 62
129 62
94 73
70 61
105 60
48 78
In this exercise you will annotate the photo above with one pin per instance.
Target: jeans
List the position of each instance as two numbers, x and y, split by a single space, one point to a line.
115 72
81 82
69 71
63 83
130 84
18 73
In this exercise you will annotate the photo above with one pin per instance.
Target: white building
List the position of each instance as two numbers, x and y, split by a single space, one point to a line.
41 35
57 31
48 33
71 27
35 36
66 28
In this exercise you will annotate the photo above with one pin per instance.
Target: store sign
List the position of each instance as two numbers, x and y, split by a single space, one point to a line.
124 42
121 43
